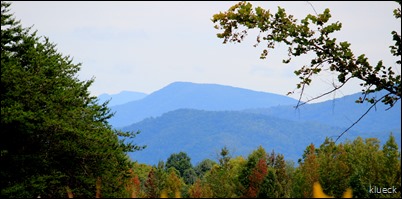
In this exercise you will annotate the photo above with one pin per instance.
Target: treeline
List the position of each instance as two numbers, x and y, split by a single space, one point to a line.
361 165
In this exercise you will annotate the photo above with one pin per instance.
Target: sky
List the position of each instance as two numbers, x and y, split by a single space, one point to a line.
144 46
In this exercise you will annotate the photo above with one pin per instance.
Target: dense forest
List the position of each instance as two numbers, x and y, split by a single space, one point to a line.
56 142
358 164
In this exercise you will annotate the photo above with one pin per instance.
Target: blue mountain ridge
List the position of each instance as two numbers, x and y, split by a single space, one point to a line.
342 112
200 126
211 97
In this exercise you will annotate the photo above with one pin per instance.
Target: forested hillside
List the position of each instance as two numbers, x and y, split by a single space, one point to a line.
202 133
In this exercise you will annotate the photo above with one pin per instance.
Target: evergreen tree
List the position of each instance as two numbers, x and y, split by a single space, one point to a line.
54 136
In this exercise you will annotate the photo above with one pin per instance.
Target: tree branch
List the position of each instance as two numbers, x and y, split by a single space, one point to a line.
322 95
361 117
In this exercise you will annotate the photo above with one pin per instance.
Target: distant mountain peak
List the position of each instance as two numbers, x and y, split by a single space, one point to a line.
201 96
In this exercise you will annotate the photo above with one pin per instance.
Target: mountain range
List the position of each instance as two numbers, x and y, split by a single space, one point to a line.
211 97
200 119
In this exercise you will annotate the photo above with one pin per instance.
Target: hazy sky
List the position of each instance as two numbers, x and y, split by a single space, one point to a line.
143 46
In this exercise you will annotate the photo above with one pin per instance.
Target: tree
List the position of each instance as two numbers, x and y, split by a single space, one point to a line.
151 185
180 161
283 179
313 36
134 186
200 190
333 168
224 157
268 188
189 176
392 159
173 183
309 170
249 182
247 169
54 134
365 162
222 178
204 166
256 179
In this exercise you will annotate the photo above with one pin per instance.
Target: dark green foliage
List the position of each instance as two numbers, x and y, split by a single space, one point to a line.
204 166
53 134
268 187
180 161
189 176
333 168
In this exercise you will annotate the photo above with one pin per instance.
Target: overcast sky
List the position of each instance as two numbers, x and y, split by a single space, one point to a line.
143 46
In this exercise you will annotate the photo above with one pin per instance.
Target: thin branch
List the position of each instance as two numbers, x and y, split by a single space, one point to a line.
301 94
322 95
360 117
365 94
312 7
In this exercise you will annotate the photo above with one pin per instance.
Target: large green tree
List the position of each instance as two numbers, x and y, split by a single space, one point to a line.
54 135
313 36
180 161
334 167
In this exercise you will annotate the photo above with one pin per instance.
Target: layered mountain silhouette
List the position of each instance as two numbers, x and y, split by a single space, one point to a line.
200 119
211 97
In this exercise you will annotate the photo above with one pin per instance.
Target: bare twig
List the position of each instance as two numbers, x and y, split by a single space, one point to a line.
360 117
312 7
322 95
